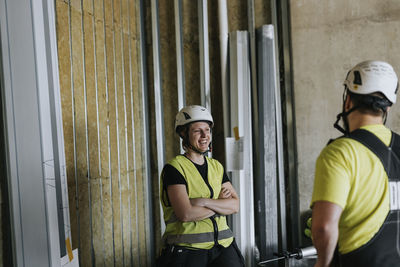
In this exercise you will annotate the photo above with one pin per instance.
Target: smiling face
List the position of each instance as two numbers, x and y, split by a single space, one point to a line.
200 135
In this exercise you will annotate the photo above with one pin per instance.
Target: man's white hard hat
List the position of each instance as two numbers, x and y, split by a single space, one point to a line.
372 77
191 114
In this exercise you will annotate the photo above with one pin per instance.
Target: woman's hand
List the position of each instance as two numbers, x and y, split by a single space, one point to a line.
225 193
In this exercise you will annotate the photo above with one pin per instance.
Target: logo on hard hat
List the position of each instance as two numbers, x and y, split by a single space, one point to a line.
187 116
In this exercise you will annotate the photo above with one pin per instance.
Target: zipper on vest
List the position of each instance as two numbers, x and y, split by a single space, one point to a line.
214 222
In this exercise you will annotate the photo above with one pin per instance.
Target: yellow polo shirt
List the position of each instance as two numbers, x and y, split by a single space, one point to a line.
350 175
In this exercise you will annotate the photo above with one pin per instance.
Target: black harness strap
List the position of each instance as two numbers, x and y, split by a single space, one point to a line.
389 156
383 249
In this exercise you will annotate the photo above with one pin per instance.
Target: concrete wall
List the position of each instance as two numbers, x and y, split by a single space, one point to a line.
328 38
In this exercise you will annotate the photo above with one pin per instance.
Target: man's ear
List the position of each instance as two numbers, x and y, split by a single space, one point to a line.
348 104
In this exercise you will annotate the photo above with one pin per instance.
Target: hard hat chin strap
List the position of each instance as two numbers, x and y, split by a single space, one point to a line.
343 115
198 151
368 100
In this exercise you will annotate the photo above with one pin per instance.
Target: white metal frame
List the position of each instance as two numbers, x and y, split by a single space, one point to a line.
33 134
204 55
148 203
180 67
223 37
240 91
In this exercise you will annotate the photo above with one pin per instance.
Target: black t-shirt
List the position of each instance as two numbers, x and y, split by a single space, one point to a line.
172 176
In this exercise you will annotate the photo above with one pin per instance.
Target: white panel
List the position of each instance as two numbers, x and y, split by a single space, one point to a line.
240 91
30 76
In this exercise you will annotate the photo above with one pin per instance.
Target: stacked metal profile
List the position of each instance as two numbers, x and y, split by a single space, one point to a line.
269 185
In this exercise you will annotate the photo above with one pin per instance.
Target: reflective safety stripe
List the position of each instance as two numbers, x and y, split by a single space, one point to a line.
175 219
198 238
394 187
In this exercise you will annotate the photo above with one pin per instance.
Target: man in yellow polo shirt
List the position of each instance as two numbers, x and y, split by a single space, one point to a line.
355 198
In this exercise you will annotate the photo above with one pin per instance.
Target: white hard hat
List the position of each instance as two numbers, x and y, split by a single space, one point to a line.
372 77
193 113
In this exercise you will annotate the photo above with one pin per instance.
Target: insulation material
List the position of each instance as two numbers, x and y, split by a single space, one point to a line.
102 120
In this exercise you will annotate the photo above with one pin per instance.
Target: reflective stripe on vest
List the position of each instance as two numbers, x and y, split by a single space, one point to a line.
173 218
198 238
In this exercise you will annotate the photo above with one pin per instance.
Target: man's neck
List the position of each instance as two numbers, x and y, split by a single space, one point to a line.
358 120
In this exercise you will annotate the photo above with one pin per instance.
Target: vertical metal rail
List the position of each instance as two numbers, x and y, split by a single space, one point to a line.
57 129
204 55
73 128
243 222
179 54
255 97
148 203
290 121
158 101
223 36
281 20
110 173
117 133
180 70
253 71
98 128
158 97
133 134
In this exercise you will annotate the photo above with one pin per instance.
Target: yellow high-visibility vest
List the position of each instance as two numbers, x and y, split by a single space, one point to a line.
199 234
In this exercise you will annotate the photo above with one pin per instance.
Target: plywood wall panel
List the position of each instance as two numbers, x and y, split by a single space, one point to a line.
82 170
136 137
124 200
93 139
110 248
115 171
127 133
129 7
103 121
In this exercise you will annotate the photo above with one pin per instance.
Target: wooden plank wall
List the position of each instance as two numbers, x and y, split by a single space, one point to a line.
98 42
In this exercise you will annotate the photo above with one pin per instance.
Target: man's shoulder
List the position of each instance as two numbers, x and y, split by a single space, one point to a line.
340 148
340 143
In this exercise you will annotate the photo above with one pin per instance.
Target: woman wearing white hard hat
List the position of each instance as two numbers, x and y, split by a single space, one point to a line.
196 195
